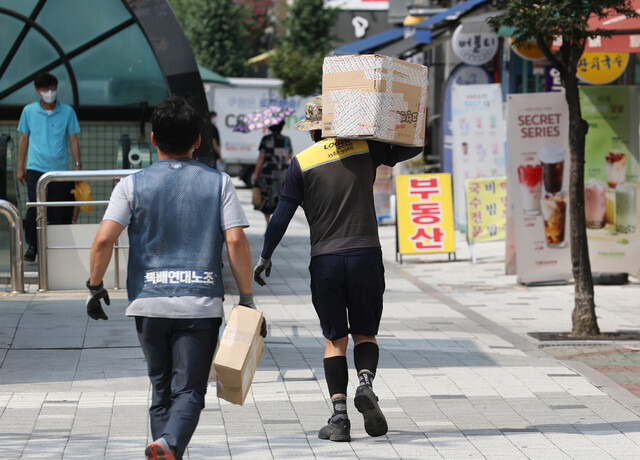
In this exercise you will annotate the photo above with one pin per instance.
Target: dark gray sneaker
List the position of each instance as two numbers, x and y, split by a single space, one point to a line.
31 253
338 428
366 402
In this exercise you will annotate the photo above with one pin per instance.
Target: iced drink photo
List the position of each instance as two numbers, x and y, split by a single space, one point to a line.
552 159
626 216
530 178
616 167
554 210
595 203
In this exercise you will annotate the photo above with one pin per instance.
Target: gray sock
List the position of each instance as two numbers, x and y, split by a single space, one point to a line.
366 378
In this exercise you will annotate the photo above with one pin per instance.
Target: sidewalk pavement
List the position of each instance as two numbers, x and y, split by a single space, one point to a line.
458 377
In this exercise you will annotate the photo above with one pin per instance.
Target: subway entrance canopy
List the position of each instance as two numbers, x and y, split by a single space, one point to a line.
114 59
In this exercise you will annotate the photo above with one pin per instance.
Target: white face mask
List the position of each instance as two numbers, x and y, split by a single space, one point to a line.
49 95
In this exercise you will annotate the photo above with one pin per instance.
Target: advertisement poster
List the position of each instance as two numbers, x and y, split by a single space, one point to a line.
612 177
538 185
424 222
486 209
478 139
382 192
462 75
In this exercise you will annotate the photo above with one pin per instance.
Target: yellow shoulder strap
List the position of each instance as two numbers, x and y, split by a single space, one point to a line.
329 150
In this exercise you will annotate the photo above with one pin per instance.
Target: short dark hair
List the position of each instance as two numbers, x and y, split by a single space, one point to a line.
213 113
316 134
44 80
277 128
176 125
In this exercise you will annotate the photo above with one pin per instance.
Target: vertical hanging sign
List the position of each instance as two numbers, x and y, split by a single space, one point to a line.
424 222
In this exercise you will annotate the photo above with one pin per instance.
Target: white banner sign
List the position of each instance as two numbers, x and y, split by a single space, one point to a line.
478 139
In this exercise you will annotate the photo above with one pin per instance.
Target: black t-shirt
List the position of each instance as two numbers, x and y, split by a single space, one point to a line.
215 134
333 182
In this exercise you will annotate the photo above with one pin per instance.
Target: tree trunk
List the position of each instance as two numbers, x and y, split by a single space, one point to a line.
584 311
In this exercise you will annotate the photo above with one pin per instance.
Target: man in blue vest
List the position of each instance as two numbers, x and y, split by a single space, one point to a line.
179 213
333 182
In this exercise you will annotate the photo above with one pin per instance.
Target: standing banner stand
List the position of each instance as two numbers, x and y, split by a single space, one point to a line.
538 184
486 203
612 178
478 139
424 215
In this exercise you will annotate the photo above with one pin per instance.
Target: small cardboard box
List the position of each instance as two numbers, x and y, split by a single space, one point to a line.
238 354
370 96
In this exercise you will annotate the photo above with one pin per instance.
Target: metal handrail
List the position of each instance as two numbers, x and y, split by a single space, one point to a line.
41 204
15 252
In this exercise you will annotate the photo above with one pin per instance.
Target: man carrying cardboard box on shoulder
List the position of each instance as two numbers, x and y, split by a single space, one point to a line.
333 182
179 213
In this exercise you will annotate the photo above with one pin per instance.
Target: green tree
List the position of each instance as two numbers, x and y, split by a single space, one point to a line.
218 32
540 21
301 49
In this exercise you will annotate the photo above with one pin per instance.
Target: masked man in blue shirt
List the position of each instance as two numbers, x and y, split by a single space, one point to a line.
47 127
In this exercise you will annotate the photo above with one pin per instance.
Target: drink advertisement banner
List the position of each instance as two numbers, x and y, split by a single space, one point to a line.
486 209
612 177
478 139
538 185
424 222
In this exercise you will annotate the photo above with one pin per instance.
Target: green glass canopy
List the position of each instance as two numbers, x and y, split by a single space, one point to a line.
114 59
95 48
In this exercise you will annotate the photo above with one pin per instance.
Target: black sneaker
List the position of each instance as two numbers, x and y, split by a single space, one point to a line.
338 428
366 402
30 255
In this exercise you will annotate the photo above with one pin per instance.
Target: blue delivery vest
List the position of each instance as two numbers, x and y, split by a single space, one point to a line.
175 239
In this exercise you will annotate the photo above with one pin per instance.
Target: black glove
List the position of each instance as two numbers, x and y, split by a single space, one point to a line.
94 308
246 300
263 265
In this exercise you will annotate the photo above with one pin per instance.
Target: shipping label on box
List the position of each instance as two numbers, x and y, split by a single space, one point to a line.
374 97
238 354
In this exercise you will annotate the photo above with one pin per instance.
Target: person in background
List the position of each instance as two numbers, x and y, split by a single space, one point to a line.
47 127
333 182
215 139
273 161
179 213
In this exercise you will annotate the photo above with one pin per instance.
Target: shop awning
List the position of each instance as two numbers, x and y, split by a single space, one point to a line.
209 76
625 33
425 28
398 48
371 43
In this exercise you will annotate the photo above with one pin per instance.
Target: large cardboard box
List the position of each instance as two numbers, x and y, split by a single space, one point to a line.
370 96
238 354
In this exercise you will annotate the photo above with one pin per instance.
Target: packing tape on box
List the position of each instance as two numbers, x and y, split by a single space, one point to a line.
233 335
369 64
351 120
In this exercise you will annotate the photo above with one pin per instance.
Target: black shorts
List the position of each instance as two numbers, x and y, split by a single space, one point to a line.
347 290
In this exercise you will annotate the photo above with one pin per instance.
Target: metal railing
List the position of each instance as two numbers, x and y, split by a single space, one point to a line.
15 251
42 205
